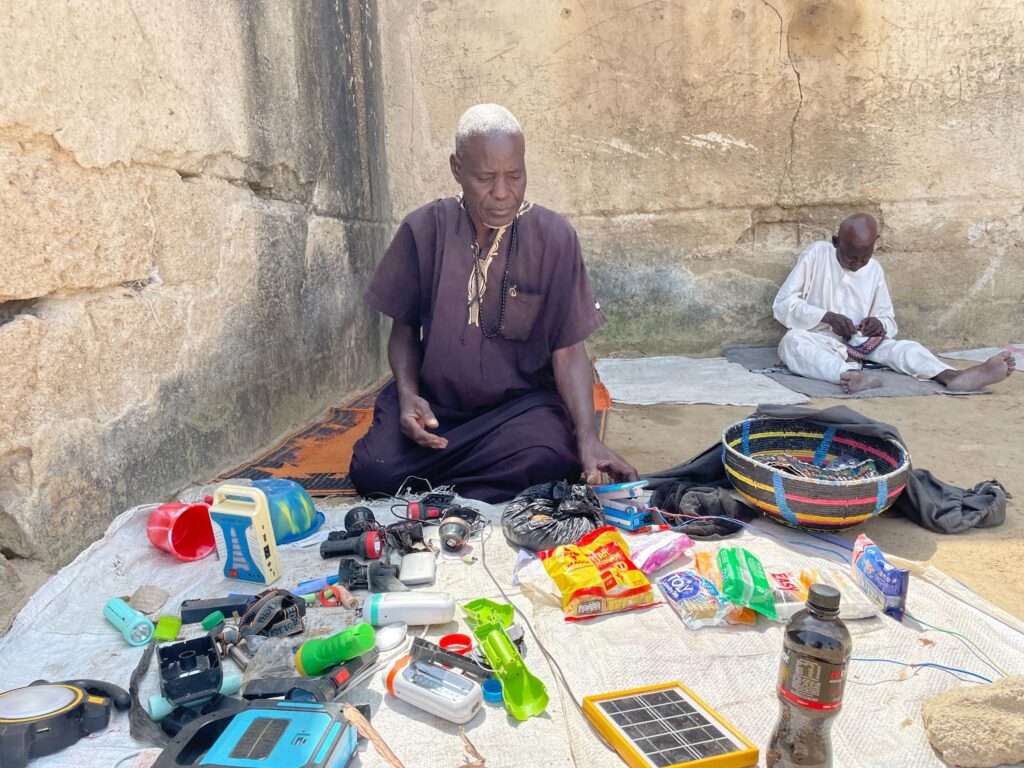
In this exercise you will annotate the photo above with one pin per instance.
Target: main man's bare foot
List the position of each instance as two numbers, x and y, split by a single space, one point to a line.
996 368
855 381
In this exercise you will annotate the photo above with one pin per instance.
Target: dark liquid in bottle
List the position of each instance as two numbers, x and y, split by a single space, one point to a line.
812 673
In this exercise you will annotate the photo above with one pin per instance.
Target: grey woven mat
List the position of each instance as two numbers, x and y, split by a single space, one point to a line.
766 360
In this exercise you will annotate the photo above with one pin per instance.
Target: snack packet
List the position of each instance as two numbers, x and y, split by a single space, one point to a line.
788 592
882 581
853 603
657 547
707 566
744 581
596 576
694 598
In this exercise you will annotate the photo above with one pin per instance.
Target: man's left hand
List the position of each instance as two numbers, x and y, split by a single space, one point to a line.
596 458
872 326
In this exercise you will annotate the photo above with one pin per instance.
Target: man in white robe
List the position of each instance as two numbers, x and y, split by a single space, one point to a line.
837 308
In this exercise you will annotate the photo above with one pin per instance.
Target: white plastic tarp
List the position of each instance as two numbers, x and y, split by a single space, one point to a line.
61 634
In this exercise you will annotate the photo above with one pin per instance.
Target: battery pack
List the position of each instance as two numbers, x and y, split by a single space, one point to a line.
628 517
245 534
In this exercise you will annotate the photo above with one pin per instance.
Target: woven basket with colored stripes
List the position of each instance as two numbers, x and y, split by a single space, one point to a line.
803 502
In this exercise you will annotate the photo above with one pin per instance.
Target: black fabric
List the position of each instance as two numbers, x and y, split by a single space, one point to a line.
551 514
680 498
141 726
927 501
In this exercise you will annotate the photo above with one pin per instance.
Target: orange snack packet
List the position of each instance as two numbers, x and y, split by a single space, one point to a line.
596 576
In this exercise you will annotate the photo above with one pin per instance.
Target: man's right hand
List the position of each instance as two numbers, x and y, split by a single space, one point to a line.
415 418
841 325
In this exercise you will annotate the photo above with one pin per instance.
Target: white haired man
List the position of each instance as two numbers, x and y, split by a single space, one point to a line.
490 307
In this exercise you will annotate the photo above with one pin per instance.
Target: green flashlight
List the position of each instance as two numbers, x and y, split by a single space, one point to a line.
135 627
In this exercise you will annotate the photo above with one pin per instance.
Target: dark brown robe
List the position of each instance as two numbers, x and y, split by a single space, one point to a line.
495 398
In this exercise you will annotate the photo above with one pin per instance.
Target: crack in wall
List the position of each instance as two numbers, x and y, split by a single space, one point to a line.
784 32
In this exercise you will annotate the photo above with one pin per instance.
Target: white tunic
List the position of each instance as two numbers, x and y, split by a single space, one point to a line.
819 284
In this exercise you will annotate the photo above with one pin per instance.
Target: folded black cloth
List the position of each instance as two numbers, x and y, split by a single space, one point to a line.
927 501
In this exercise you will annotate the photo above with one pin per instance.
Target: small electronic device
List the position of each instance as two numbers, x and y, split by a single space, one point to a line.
622 490
135 628
434 689
323 689
244 534
457 525
301 734
318 654
368 545
424 650
190 674
410 608
44 718
667 726
417 568
194 611
624 515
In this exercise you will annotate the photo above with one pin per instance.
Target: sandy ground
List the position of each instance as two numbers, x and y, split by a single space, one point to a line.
962 440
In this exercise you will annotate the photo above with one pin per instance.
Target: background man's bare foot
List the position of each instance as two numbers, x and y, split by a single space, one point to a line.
855 381
996 368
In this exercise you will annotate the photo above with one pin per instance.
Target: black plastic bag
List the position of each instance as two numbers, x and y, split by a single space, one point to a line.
551 514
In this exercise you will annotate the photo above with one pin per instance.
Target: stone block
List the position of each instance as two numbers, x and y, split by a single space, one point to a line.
980 727
65 228
19 372
195 221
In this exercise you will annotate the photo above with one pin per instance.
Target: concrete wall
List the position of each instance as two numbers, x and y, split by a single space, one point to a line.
191 198
192 195
698 145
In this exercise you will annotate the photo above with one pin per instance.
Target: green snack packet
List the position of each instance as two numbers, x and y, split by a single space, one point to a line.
744 581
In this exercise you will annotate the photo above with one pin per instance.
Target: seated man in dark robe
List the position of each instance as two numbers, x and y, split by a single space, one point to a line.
490 303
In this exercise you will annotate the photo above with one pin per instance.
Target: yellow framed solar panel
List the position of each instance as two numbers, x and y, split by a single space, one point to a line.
667 726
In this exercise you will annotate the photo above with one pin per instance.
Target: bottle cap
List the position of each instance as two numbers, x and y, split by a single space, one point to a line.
492 690
824 598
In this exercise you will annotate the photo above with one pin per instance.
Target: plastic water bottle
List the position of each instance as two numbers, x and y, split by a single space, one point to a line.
815 654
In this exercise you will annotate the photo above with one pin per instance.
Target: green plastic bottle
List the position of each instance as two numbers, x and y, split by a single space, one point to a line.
316 656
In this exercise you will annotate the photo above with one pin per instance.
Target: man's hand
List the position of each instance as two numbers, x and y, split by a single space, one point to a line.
871 326
841 325
415 418
596 458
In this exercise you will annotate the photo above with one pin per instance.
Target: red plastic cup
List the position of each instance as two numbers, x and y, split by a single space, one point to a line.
184 530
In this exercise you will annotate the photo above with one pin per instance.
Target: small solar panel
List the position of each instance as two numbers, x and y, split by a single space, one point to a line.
667 726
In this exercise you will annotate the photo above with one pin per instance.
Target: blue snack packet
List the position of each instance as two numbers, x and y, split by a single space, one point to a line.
882 581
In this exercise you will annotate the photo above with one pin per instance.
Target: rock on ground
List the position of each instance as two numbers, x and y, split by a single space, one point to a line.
978 727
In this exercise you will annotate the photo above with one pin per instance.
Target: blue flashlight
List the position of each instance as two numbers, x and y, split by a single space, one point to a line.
136 628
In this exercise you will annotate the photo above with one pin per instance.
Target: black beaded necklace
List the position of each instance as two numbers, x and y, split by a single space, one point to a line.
479 279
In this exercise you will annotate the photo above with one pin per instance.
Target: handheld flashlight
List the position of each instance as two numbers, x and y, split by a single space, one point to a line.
136 628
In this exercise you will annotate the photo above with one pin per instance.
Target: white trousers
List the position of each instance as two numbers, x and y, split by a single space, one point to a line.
822 355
